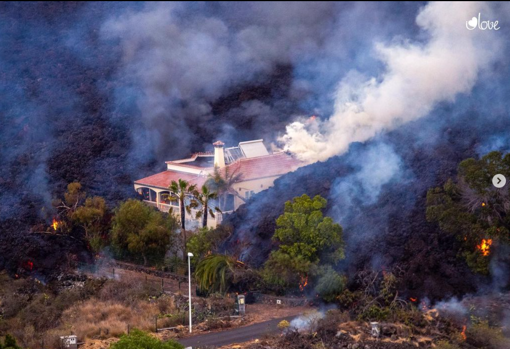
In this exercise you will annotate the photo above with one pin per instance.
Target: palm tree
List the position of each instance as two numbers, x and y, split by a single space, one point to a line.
203 198
214 273
180 191
219 273
222 182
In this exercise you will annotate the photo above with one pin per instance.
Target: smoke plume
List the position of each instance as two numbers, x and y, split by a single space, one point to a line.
417 76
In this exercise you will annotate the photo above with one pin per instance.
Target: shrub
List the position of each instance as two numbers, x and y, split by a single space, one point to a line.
446 345
330 284
481 335
9 343
141 340
283 324
374 313
215 323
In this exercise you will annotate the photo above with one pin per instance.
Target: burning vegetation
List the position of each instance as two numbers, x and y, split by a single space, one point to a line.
55 224
276 243
485 246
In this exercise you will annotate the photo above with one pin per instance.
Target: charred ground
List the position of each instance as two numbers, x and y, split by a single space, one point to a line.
62 122
392 230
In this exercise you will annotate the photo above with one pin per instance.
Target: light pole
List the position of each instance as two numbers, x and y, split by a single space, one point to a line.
189 283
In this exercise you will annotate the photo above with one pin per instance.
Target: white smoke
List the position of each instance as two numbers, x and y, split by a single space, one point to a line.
307 321
416 77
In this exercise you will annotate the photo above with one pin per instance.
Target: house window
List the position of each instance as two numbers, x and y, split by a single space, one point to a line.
229 203
248 194
166 197
147 194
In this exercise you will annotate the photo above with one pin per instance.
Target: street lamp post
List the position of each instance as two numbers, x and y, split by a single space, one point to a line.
189 283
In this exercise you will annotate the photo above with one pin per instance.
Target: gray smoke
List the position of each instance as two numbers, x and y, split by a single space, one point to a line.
179 59
417 75
183 57
375 167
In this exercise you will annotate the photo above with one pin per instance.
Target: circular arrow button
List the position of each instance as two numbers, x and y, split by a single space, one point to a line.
499 181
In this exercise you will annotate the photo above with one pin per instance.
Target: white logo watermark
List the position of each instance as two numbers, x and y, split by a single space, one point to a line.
476 22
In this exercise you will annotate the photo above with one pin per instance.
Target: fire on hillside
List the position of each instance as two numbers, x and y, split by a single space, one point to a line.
485 246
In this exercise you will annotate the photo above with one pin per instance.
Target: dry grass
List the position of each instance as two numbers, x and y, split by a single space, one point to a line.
95 319
34 313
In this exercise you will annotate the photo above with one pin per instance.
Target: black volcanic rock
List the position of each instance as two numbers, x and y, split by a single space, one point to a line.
393 230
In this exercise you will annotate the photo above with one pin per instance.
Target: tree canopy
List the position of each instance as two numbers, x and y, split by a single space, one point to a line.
215 272
206 241
305 239
221 273
222 181
473 210
91 216
204 198
141 231
181 191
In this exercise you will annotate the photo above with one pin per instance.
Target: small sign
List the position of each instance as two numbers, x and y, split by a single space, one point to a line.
70 342
279 302
241 304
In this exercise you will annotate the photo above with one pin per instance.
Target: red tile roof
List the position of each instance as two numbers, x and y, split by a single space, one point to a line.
165 178
265 166
249 168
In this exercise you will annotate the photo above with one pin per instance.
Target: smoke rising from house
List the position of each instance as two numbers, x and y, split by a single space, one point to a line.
183 58
417 76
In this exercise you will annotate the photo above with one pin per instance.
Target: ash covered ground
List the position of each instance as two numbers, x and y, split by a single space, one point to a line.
104 93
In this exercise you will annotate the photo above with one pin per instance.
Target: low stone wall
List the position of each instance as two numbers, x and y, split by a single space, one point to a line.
149 271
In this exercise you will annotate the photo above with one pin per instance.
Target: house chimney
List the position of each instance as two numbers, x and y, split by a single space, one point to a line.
219 154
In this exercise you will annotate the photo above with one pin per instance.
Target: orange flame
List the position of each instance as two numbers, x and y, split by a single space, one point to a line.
303 283
413 299
463 333
485 247
483 204
55 224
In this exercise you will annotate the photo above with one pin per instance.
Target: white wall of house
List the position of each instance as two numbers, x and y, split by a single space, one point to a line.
248 188
245 189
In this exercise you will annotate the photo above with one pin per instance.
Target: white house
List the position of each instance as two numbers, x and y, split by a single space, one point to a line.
255 166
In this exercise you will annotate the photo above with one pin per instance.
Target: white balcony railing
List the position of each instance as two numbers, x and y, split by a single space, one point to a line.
190 218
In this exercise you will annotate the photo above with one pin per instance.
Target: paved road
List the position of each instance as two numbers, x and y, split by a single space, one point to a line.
236 335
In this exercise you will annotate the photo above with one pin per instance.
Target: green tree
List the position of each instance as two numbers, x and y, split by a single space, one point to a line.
137 339
74 195
305 239
182 190
73 198
204 198
206 241
216 273
470 208
139 230
91 217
